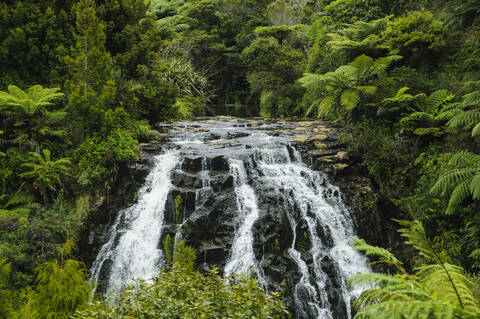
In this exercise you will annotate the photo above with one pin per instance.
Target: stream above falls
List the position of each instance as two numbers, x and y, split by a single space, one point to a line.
251 204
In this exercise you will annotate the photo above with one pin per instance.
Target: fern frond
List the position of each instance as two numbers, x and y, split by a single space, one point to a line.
414 232
326 105
465 120
459 287
20 198
381 65
459 194
383 255
464 159
417 117
350 99
436 99
471 99
367 89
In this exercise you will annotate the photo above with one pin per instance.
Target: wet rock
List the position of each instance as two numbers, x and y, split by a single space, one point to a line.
212 254
219 163
318 138
343 156
301 139
222 182
192 165
319 145
182 179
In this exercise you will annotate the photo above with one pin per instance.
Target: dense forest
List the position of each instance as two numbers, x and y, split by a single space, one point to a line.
82 83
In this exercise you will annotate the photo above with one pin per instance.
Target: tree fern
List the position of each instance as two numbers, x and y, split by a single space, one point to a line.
462 181
430 113
435 290
346 86
29 111
360 36
468 116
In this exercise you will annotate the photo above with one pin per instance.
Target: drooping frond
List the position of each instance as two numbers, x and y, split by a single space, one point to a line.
463 181
464 159
415 234
465 120
450 281
326 106
350 99
417 118
449 180
459 194
471 99
20 198
436 99
381 65
383 255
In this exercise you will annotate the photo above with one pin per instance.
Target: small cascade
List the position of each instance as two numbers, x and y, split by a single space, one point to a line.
328 227
132 248
242 260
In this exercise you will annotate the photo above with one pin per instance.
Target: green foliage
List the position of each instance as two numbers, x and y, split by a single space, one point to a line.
461 182
168 249
345 87
430 113
47 174
183 294
177 202
435 290
5 295
415 35
383 255
90 67
468 116
100 157
349 11
360 37
61 287
34 38
29 117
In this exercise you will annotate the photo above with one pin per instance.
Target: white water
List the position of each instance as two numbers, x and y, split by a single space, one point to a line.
242 260
319 204
133 249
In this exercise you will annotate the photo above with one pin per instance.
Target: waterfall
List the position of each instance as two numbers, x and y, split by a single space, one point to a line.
132 247
242 260
310 199
244 190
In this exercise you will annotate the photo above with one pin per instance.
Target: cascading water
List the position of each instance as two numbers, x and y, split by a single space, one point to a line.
249 206
133 244
242 259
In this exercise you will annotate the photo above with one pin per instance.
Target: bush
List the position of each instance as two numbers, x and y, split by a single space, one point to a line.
100 157
182 294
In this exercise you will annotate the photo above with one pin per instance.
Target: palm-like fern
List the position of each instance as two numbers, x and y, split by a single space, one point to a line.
461 182
430 113
360 36
345 86
47 174
29 110
468 116
435 290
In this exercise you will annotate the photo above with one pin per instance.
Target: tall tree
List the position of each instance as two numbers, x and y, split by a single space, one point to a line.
90 65
90 68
